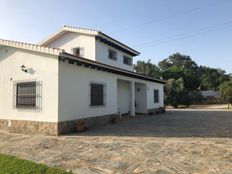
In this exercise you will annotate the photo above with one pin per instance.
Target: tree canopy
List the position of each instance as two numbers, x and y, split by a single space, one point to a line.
184 77
178 60
211 78
148 69
181 66
225 91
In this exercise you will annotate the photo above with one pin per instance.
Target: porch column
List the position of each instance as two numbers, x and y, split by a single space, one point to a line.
132 108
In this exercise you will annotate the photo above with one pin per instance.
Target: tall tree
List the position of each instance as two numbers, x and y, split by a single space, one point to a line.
175 92
178 60
225 91
181 66
211 78
147 68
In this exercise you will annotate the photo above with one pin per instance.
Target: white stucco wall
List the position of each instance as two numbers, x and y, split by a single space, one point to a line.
71 40
150 95
124 96
102 56
44 68
74 92
150 91
141 98
93 49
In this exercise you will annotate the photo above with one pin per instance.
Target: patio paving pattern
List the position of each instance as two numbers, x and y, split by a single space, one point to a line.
179 141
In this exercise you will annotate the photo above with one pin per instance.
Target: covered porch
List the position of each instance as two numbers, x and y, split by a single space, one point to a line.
131 97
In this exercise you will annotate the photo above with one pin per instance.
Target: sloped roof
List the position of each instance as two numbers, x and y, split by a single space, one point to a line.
75 59
72 59
31 47
86 31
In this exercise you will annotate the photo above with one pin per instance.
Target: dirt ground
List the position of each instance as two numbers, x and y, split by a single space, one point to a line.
179 141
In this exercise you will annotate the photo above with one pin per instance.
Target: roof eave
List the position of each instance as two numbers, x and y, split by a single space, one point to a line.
136 53
65 29
105 67
30 47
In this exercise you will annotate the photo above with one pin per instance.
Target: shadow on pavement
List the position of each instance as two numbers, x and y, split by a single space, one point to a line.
174 123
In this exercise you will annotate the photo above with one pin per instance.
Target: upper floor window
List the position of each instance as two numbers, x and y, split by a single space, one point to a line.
78 51
156 96
127 60
112 55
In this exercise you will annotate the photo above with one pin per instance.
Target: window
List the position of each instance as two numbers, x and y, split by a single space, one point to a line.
156 96
127 60
26 94
78 51
112 55
97 94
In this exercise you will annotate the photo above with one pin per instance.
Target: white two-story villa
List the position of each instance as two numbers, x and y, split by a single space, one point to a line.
75 74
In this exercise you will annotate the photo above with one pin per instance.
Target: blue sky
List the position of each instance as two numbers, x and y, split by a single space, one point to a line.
156 28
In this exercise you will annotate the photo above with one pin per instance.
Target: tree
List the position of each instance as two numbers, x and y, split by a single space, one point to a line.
147 68
230 76
195 97
211 78
225 91
173 72
191 80
181 66
174 92
178 60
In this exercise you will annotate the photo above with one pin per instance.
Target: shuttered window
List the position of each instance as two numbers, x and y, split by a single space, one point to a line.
26 94
156 96
97 94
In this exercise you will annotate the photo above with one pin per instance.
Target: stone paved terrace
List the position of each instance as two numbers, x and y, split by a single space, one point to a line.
187 141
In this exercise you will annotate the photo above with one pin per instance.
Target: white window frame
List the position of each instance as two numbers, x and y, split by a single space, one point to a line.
81 51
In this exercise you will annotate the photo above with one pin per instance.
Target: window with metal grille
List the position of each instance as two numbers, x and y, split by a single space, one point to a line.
26 94
97 96
112 55
127 60
156 96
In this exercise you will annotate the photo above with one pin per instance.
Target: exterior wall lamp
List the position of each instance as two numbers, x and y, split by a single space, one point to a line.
23 68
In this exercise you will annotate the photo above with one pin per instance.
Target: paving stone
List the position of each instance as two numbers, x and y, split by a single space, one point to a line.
176 142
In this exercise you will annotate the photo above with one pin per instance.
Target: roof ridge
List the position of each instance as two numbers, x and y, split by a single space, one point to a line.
81 28
30 46
67 28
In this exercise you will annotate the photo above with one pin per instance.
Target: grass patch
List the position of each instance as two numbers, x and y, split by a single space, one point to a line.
14 165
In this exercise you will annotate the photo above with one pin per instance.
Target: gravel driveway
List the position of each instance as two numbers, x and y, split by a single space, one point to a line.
186 141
